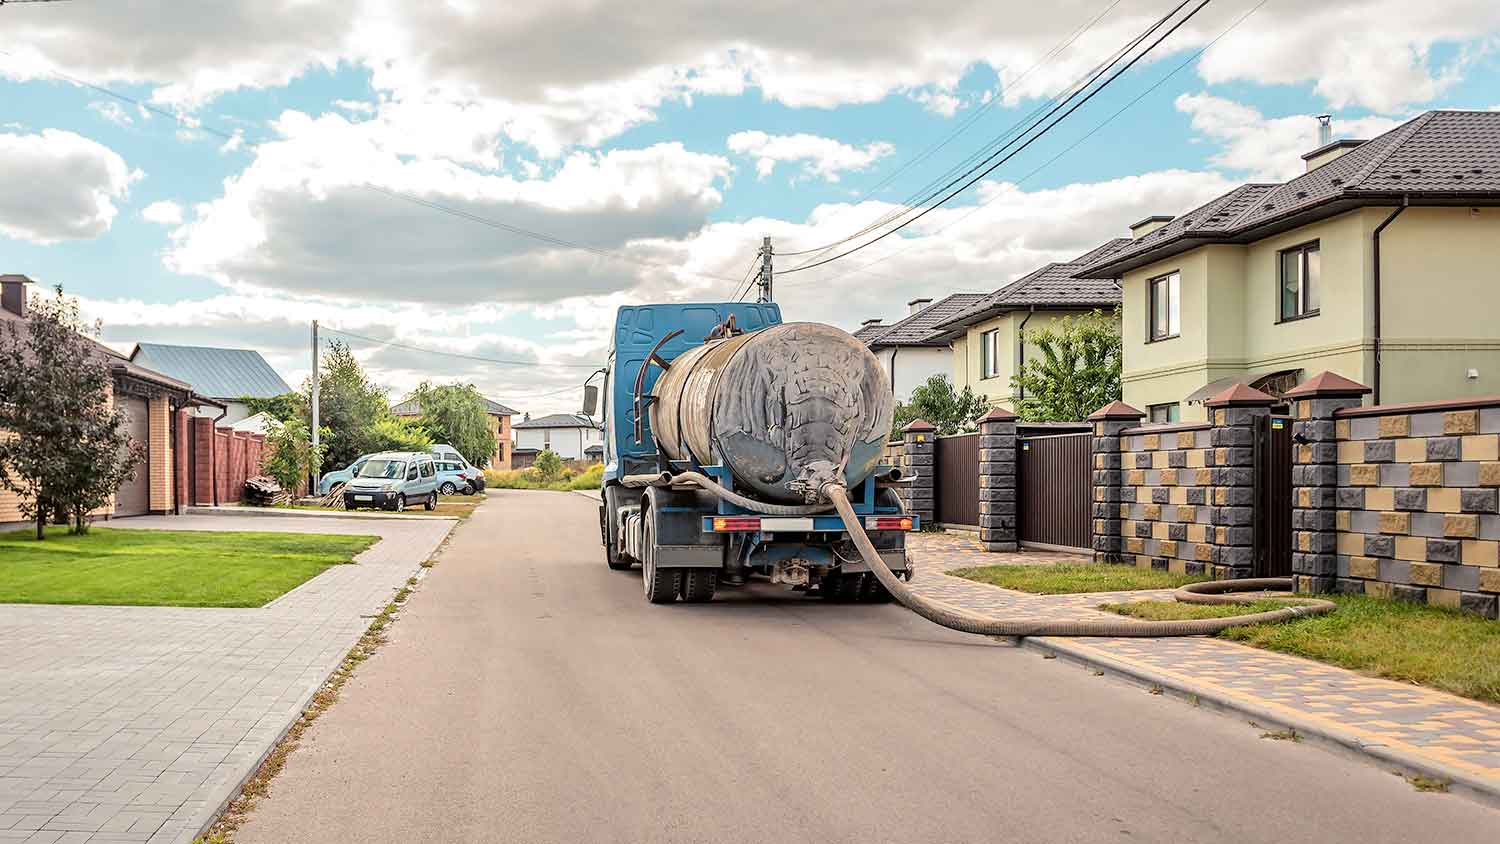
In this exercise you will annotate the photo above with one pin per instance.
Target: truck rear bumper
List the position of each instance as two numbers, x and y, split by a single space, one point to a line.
894 558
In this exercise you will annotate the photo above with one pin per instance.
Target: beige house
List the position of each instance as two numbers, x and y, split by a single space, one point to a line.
910 350
1380 263
498 416
986 337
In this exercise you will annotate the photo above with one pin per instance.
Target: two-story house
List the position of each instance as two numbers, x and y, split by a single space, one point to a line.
568 435
910 350
987 337
1381 263
497 416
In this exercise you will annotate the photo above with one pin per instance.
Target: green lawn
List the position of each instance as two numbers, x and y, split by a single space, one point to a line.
1436 647
165 568
1066 578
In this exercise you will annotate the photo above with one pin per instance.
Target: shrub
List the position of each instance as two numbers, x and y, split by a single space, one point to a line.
549 465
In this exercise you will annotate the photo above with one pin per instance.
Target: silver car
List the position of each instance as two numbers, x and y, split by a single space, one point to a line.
392 481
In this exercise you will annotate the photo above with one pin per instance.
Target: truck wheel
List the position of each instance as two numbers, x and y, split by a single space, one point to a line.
612 554
661 585
871 591
699 585
839 588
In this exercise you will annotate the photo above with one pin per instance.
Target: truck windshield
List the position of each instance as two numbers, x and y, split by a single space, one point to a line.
383 469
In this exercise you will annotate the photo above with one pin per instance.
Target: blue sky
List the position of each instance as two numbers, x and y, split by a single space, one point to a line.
680 150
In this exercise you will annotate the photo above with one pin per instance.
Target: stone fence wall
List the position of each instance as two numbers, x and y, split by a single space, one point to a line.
1166 512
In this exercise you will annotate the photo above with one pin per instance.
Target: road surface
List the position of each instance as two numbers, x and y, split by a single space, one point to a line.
530 694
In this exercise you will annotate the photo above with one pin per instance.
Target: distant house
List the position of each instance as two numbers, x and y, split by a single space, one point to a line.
225 375
151 401
910 350
499 418
986 336
567 435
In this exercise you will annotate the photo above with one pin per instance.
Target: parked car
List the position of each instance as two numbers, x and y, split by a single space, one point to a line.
392 480
341 476
455 477
475 475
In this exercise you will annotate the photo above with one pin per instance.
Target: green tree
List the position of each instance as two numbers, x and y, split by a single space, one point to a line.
349 406
936 401
396 433
68 449
290 455
282 408
455 414
1077 371
548 465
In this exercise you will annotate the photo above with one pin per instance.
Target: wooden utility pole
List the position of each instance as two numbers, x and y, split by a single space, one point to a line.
765 271
312 488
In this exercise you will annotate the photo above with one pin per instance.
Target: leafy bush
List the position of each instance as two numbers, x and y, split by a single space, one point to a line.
290 455
549 466
593 478
397 433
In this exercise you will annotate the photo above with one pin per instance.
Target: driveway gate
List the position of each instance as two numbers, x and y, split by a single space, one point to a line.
1054 491
957 482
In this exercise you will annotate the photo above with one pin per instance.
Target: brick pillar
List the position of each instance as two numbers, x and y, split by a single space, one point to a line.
1315 481
997 480
203 460
919 460
1235 414
1109 479
182 446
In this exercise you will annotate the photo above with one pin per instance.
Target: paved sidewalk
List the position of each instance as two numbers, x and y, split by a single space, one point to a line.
136 724
1417 729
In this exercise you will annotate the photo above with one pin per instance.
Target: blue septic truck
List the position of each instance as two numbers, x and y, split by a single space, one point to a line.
724 427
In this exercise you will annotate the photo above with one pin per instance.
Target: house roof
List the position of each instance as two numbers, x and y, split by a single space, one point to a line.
1436 158
123 366
917 329
556 420
216 373
409 407
870 330
1054 285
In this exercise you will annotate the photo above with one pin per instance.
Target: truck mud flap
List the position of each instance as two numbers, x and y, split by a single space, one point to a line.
689 556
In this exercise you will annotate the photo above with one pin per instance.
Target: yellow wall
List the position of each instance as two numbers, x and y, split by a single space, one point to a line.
967 361
1440 290
159 453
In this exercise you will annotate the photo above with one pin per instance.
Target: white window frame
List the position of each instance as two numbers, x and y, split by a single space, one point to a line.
989 353
1172 284
1307 282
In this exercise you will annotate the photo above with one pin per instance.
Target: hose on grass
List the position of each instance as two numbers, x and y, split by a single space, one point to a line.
1215 592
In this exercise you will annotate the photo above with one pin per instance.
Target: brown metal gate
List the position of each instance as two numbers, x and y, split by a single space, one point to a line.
957 482
133 498
1273 482
1054 490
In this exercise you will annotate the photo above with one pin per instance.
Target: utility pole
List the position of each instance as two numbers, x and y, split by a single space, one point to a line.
765 271
313 486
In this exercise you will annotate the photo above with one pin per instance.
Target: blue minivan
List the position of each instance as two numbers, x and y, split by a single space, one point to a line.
392 480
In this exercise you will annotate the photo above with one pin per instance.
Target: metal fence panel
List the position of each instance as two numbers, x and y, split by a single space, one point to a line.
1054 490
1273 480
957 482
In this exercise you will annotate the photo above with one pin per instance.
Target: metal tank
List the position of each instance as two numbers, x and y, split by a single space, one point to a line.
786 409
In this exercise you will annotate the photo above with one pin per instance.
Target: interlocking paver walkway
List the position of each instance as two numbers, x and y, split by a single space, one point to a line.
1446 731
135 724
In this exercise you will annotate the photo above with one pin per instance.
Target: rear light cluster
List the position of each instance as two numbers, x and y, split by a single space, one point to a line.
737 523
888 522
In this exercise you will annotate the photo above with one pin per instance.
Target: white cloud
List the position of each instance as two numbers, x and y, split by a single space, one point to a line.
1267 149
58 185
111 111
165 212
823 158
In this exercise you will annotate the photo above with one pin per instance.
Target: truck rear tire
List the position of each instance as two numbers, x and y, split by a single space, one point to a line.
872 592
612 556
661 585
699 585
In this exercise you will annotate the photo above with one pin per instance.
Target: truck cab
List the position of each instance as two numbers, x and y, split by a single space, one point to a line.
690 541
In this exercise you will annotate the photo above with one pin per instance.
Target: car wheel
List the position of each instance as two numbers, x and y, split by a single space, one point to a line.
448 488
469 489
400 503
431 502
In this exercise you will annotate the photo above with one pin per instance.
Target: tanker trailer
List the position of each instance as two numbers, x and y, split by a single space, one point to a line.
722 427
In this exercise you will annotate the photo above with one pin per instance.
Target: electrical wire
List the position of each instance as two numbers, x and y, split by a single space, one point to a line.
991 168
478 358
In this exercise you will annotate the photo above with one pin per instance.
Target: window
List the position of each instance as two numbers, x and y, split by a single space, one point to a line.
547 439
1166 306
1301 268
989 353
426 467
1165 412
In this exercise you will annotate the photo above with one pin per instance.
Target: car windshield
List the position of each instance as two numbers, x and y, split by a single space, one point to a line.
383 469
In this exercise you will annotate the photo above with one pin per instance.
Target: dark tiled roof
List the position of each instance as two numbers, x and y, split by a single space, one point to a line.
1439 156
557 420
917 329
409 407
217 373
866 333
1054 285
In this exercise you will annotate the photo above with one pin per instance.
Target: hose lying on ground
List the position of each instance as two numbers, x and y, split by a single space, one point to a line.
954 618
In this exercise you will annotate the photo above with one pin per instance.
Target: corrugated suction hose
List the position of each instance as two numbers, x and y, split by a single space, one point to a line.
1212 592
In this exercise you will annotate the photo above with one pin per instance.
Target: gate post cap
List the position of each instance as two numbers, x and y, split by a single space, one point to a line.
1327 384
1115 410
1241 395
998 414
919 426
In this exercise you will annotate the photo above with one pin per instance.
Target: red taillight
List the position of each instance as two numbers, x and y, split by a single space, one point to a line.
888 523
722 523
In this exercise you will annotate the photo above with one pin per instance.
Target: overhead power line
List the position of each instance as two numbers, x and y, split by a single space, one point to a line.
1013 153
478 358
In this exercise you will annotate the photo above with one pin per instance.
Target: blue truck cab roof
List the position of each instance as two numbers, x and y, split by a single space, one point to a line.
638 328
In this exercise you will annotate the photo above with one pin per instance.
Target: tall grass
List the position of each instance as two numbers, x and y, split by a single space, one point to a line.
571 478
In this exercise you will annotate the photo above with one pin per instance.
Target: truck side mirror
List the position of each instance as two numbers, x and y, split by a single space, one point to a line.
590 399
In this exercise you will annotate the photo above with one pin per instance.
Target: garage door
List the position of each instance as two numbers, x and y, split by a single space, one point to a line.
134 496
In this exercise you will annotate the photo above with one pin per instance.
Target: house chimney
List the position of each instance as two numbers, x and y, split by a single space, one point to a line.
1328 149
916 305
1150 224
13 293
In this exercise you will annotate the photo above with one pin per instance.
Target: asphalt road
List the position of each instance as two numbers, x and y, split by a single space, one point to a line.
530 694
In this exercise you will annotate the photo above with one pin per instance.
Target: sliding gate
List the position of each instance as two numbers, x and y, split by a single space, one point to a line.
1055 490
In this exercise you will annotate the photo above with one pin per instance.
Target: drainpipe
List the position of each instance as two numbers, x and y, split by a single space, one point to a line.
1021 341
894 350
1375 259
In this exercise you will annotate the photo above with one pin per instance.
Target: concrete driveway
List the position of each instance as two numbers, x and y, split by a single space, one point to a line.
135 724
530 694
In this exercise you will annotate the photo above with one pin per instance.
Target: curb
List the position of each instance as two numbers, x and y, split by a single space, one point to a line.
257 512
1483 790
